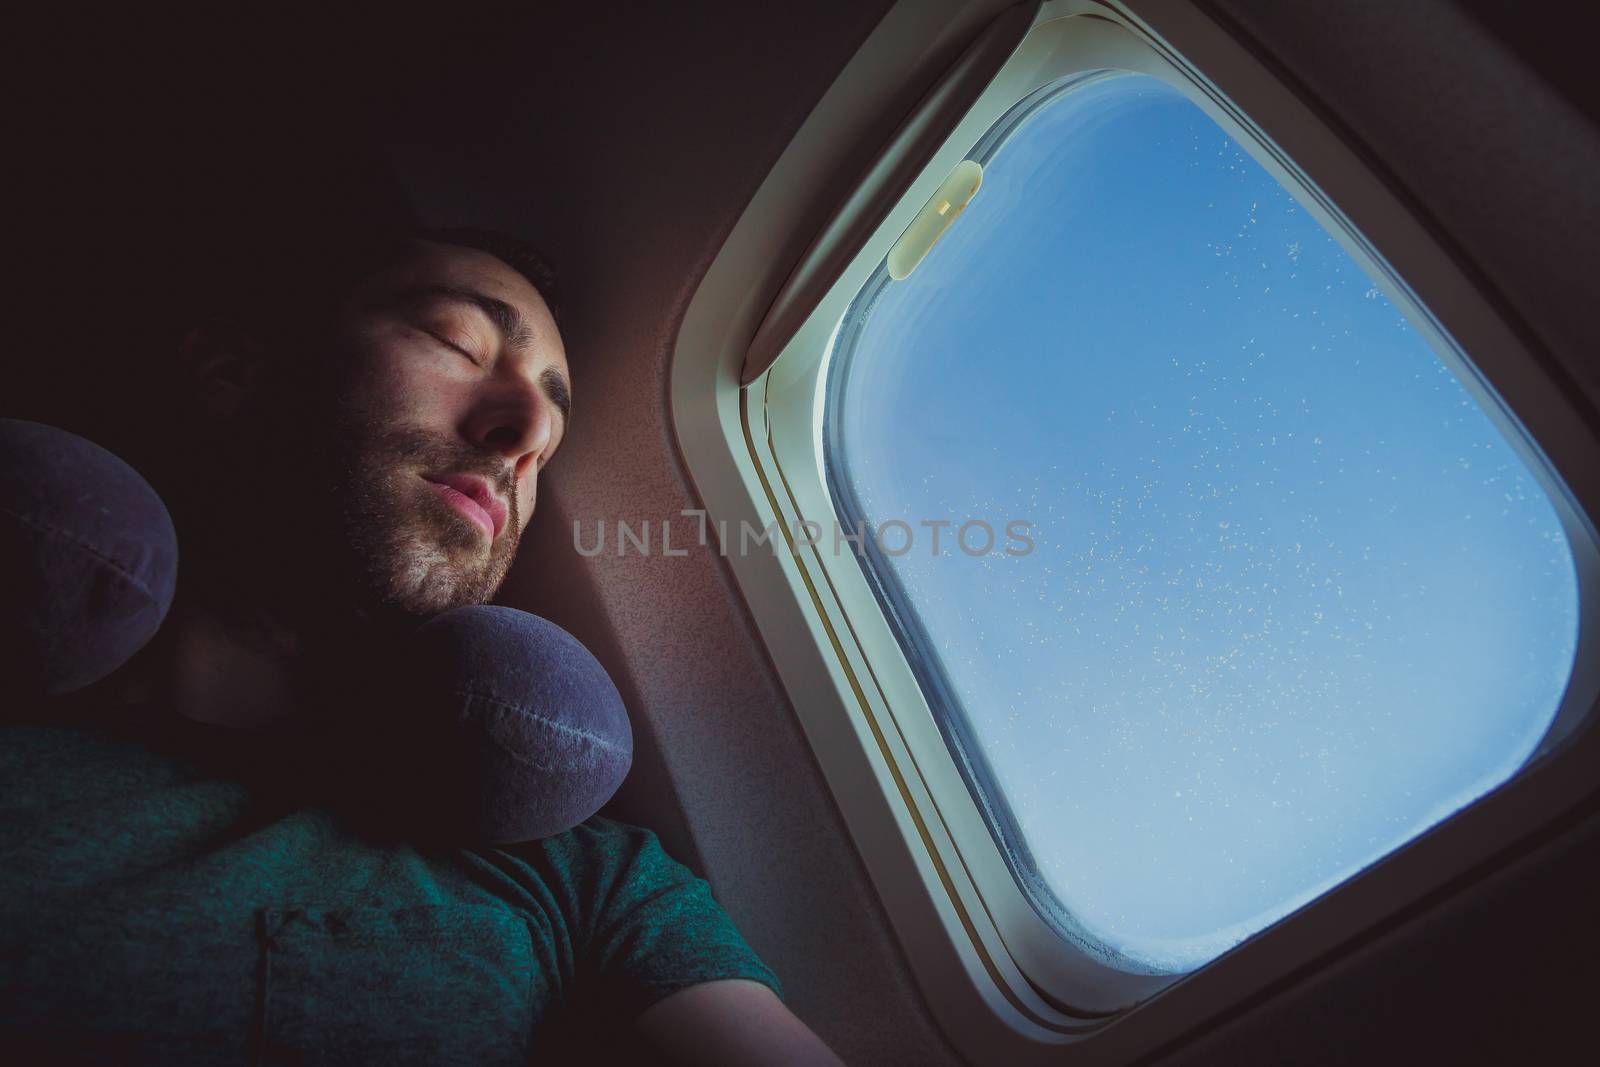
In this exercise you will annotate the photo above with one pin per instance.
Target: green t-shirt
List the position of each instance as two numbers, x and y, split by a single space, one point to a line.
165 898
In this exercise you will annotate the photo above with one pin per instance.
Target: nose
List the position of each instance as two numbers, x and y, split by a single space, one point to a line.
512 419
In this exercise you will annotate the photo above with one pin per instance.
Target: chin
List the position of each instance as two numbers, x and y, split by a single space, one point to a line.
416 555
426 573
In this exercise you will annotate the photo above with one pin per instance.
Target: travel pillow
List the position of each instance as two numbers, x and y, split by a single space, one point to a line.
508 728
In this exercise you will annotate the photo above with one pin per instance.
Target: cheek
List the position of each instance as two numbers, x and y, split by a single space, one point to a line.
392 382
526 491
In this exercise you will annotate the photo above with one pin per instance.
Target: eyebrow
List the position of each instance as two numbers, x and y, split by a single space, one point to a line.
513 327
556 386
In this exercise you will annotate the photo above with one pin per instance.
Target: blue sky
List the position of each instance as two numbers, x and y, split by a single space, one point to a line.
1294 598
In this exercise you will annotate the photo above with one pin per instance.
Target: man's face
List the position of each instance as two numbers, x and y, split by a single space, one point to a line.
449 389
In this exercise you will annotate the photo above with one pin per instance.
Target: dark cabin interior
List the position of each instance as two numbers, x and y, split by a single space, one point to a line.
625 140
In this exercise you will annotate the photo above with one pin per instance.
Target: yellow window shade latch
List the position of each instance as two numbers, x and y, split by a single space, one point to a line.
934 219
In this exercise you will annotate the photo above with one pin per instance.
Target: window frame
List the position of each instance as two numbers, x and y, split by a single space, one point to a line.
995 972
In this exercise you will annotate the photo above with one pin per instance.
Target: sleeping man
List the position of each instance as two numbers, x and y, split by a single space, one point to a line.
366 437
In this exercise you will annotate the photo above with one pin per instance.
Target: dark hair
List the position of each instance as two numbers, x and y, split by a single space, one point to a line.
517 254
284 284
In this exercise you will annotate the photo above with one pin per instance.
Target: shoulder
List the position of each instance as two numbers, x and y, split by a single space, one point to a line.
601 862
599 833
619 885
647 925
597 842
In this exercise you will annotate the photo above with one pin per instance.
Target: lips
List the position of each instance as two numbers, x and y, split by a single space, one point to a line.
472 496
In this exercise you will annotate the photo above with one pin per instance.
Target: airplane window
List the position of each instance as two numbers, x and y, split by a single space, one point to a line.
1240 589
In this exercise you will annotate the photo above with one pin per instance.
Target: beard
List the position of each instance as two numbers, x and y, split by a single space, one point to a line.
406 550
339 525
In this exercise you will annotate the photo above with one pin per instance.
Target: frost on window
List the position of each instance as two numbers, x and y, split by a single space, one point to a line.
1292 597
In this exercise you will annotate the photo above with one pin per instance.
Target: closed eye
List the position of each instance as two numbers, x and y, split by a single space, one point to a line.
452 345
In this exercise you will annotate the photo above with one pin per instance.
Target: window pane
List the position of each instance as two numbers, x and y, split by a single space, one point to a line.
1292 598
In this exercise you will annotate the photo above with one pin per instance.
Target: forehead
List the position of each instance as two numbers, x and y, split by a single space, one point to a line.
429 264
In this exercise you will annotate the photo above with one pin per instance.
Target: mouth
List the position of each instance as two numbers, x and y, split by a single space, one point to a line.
472 497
